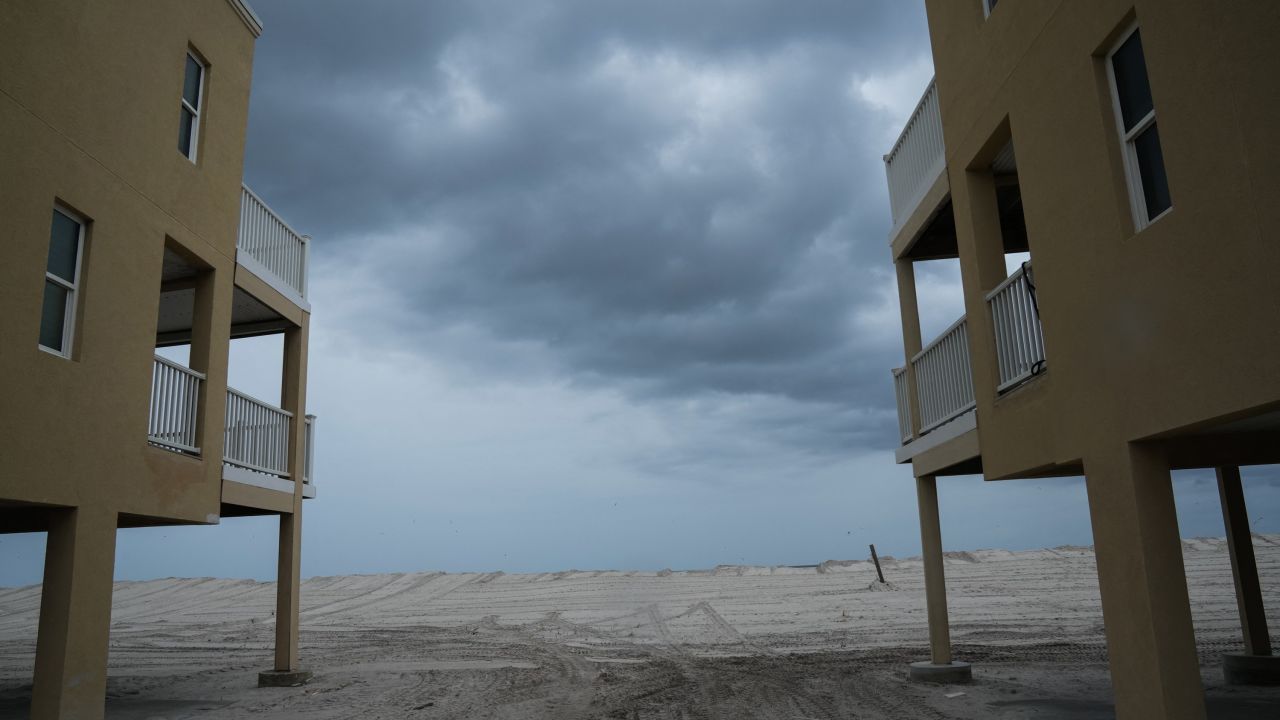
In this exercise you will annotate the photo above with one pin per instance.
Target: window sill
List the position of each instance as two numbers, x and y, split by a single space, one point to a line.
51 351
1167 212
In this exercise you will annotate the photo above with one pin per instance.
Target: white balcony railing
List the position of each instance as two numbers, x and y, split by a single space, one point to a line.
257 435
944 380
903 394
917 158
271 244
175 399
1015 318
308 448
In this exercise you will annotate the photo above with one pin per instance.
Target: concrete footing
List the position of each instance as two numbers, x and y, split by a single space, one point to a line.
1240 669
953 672
283 678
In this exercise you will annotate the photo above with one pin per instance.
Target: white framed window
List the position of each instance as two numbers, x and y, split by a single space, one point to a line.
61 282
192 97
1139 135
988 6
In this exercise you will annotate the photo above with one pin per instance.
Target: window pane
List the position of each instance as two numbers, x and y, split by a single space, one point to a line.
64 243
53 316
1155 184
184 132
191 85
1130 69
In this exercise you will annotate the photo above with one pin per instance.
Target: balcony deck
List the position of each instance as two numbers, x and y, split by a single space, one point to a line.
943 375
256 439
1015 315
269 297
917 161
270 249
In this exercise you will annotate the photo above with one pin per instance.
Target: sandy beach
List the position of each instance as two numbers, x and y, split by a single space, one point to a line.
732 642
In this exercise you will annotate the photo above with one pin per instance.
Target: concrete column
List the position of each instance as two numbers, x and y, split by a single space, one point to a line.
935 584
911 342
289 568
75 615
293 391
288 578
1154 667
941 668
981 248
210 344
1253 621
977 211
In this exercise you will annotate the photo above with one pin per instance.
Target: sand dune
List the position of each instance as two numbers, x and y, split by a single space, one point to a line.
733 641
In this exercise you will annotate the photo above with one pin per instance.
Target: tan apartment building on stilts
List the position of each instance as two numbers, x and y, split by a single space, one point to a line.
1129 146
126 229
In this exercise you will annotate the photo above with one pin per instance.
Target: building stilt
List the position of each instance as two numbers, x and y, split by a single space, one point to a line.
1256 665
941 668
75 616
1155 670
288 580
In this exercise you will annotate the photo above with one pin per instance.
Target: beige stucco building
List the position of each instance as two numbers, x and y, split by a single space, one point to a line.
1130 147
126 229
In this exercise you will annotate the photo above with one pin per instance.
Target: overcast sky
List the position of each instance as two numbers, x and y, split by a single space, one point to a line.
600 285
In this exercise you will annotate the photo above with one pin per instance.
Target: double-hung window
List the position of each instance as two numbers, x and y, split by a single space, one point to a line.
1136 120
61 282
192 96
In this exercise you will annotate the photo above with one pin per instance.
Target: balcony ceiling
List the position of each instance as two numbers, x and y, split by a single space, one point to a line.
1013 224
177 267
248 317
938 239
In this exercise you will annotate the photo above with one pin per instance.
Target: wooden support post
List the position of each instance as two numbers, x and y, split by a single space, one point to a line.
876 559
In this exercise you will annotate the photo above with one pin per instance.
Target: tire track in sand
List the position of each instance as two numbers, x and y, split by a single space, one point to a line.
729 630
366 601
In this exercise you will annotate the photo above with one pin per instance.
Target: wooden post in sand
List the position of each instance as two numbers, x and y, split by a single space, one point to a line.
876 559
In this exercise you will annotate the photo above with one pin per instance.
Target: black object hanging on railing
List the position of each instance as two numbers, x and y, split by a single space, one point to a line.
1037 367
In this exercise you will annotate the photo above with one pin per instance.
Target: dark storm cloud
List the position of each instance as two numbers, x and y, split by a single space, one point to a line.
674 198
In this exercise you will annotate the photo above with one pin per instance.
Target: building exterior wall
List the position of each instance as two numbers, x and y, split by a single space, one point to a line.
1147 334
1159 341
89 110
91 94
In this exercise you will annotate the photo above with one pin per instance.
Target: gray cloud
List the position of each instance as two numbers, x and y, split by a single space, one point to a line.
675 199
600 284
